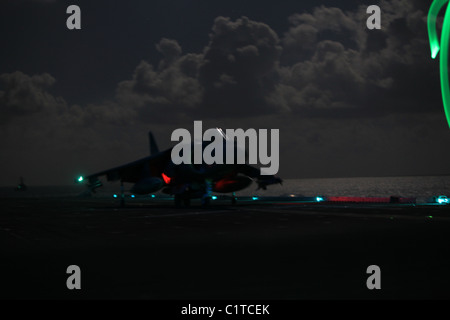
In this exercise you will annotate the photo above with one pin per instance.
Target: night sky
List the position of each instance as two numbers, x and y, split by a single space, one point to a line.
348 101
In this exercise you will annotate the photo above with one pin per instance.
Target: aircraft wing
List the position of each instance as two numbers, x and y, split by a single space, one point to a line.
134 171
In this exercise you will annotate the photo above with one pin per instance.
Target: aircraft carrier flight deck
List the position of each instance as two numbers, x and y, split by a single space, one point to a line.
252 250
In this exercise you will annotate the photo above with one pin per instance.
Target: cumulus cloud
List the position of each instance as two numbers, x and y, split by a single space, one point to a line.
240 67
171 89
327 64
334 66
234 75
22 94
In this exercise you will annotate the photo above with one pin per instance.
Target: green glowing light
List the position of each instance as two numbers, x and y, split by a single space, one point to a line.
80 178
443 47
436 6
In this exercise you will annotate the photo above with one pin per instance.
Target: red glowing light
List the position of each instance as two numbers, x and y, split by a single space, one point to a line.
166 178
222 184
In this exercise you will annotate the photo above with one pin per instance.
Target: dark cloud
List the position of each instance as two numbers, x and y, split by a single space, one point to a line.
24 96
307 30
235 74
171 51
21 94
334 66
240 67
328 64
171 90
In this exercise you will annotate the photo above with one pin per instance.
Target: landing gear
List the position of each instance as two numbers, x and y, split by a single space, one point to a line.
183 194
206 198
233 199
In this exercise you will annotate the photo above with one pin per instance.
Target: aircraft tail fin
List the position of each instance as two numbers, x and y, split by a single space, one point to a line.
152 144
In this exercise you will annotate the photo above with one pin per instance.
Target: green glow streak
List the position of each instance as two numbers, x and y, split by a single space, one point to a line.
436 6
80 179
443 60
443 46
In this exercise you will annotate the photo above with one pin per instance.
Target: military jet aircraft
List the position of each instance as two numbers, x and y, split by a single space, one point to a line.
183 181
